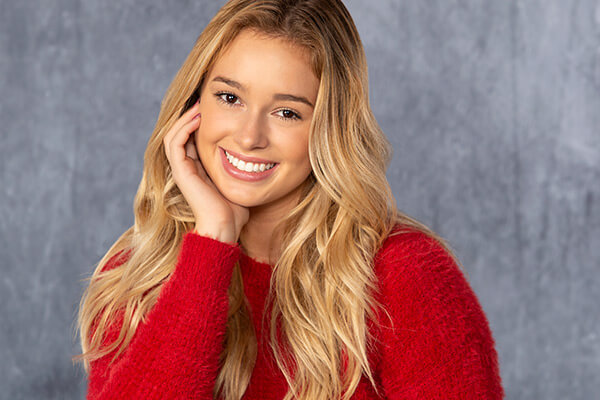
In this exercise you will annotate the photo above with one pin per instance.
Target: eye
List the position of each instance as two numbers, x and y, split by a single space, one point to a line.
227 96
289 115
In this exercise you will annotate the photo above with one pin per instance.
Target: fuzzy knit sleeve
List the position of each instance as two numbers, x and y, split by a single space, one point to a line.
174 353
438 343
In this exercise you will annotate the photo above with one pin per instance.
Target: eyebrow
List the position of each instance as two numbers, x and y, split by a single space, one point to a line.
276 96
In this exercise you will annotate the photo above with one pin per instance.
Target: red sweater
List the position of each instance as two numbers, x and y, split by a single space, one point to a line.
442 346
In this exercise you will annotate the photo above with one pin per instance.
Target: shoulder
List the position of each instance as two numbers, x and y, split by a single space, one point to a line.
434 337
410 251
420 279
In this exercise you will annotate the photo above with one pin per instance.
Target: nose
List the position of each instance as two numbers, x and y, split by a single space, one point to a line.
252 133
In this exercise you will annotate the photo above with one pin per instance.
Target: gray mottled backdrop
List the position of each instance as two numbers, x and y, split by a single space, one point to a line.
493 108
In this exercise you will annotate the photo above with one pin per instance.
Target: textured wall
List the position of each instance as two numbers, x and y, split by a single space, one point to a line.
492 108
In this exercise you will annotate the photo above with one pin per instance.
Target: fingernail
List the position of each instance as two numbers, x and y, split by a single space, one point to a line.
197 115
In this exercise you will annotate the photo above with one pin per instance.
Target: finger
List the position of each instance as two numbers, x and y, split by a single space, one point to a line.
186 133
178 142
201 170
186 117
190 148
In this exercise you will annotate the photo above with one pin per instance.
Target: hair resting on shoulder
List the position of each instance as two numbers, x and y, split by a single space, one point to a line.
345 213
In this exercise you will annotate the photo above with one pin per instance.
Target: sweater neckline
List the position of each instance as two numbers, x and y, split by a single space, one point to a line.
256 276
254 262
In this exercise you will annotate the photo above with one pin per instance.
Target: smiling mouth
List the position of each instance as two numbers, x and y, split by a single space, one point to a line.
248 166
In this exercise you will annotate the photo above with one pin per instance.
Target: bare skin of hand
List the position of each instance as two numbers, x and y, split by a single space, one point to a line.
215 216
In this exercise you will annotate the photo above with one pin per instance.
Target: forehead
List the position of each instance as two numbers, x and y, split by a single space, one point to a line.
251 40
256 58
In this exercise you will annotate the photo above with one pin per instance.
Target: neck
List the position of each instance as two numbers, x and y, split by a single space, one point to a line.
257 236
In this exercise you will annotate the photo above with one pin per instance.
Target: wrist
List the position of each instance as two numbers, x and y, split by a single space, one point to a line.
220 234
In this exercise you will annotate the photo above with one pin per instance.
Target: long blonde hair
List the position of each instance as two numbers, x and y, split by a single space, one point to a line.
345 213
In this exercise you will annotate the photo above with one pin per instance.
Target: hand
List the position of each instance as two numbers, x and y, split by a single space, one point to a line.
215 215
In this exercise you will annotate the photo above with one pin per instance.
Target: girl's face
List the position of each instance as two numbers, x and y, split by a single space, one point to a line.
257 102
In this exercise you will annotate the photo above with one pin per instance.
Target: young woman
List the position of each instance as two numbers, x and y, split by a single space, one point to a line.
268 259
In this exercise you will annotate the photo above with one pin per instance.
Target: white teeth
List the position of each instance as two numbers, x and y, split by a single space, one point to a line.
248 166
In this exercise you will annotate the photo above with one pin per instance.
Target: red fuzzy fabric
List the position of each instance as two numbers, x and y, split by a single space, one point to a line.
440 345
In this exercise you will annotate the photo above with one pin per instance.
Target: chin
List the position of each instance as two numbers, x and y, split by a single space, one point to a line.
244 198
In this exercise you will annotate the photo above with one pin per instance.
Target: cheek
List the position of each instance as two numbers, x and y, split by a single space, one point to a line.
295 151
211 125
303 156
299 146
214 116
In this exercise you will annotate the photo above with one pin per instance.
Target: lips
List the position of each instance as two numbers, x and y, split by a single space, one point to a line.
247 158
245 175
